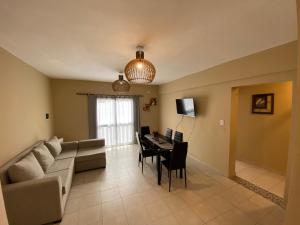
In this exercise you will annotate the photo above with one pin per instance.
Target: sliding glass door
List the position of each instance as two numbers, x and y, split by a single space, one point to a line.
115 118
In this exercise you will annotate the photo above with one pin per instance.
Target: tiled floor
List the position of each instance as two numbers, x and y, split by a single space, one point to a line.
270 181
122 195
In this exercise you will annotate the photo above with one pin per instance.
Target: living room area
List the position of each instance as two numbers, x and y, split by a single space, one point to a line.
117 113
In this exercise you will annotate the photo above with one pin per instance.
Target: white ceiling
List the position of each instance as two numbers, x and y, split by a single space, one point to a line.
94 39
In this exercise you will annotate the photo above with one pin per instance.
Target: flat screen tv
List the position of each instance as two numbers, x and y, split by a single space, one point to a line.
185 106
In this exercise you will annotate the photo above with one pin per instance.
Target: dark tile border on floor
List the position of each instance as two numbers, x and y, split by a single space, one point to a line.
262 192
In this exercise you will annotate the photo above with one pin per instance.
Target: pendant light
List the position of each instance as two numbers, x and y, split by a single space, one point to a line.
140 70
120 85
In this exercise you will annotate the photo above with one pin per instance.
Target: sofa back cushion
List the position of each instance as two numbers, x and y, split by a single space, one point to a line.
27 168
54 146
43 156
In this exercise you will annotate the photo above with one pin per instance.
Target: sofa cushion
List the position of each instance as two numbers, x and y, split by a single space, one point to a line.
27 168
43 156
54 146
61 164
70 153
86 154
91 143
66 178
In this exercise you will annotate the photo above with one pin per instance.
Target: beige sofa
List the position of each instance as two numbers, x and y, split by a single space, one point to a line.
42 201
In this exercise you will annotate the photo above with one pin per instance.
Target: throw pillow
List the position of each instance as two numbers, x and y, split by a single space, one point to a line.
27 168
43 156
54 146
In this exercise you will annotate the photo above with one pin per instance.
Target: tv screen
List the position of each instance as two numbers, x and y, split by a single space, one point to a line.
185 107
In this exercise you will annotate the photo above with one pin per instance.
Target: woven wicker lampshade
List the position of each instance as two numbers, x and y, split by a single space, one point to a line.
120 85
140 70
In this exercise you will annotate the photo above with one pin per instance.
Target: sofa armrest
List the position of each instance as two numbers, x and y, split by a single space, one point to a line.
91 143
69 145
35 201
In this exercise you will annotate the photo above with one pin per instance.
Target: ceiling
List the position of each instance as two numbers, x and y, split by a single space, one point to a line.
94 39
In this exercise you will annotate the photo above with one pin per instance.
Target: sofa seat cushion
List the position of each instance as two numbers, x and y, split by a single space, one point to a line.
66 178
69 153
61 164
87 154
27 168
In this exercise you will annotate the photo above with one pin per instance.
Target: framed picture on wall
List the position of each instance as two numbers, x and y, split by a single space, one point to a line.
263 103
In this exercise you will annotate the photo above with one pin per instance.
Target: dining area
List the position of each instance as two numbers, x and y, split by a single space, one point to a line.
169 152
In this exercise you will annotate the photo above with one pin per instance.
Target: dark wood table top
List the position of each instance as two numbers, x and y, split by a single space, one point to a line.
160 141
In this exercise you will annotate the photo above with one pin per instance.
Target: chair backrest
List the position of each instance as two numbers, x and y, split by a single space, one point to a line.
178 136
138 141
168 134
145 130
178 155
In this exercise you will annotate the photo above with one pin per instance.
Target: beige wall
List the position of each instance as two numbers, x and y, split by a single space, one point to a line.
293 207
211 89
71 110
25 96
263 139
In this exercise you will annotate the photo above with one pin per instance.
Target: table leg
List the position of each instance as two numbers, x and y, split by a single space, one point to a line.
181 173
158 169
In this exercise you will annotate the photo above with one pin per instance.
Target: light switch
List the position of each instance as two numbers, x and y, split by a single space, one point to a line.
221 123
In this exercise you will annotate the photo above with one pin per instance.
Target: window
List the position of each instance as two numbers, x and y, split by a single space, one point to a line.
115 118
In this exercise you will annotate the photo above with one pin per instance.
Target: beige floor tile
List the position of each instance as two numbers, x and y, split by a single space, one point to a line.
253 211
205 212
270 181
157 210
188 217
110 208
120 219
235 217
169 220
189 197
175 203
220 204
137 216
110 194
214 222
69 219
122 195
90 215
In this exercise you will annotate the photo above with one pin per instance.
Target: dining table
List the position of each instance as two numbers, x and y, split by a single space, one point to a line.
164 145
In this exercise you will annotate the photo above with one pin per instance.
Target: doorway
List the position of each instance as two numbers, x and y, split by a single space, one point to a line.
260 135
115 118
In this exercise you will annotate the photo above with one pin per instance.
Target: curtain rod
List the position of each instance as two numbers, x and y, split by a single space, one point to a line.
105 95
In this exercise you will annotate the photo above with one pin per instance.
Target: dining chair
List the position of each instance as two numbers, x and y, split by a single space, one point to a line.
177 160
144 152
178 136
169 133
144 130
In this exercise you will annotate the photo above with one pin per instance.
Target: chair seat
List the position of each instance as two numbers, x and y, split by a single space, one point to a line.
166 163
149 152
146 143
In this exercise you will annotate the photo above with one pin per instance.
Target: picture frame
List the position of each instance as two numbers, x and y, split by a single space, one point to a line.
263 103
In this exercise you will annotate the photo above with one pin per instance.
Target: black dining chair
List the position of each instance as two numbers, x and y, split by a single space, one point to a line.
177 160
169 133
148 144
144 152
144 130
178 136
